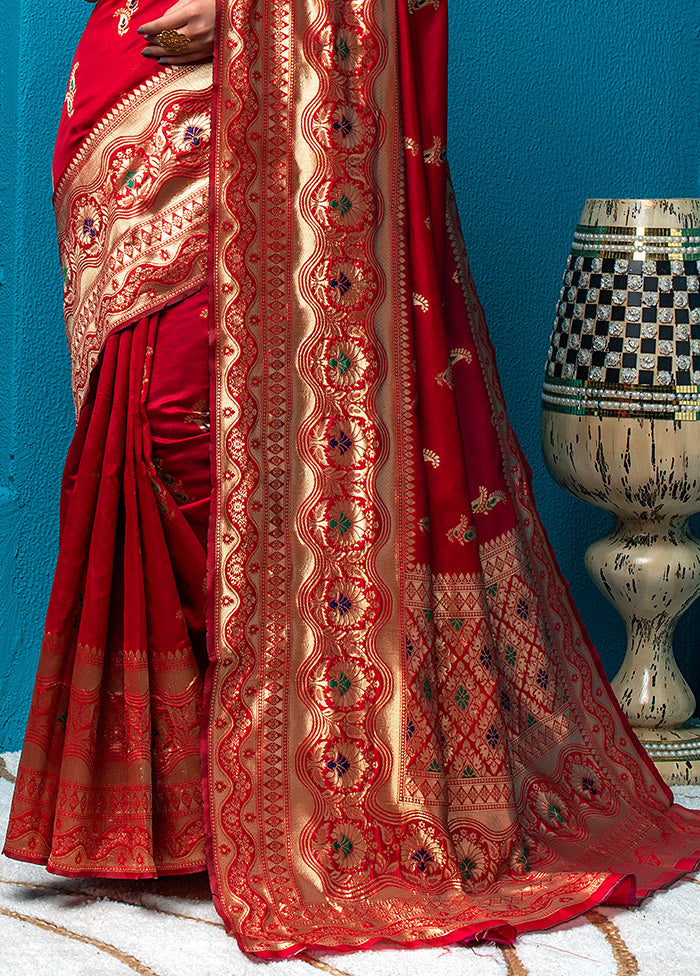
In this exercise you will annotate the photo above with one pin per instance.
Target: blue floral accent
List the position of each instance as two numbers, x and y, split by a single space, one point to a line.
193 134
492 736
339 765
589 785
421 858
505 701
542 678
522 609
341 282
342 443
342 604
343 126
89 229
410 729
485 657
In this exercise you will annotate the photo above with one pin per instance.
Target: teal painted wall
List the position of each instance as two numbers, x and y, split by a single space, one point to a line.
551 103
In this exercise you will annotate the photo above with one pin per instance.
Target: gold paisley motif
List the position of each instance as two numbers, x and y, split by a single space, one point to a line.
71 90
125 14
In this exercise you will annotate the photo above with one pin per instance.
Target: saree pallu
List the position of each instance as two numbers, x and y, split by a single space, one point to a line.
407 737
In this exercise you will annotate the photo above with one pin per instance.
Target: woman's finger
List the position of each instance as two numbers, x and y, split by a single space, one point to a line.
173 59
191 52
173 20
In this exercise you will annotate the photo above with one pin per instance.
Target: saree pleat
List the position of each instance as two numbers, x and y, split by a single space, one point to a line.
108 782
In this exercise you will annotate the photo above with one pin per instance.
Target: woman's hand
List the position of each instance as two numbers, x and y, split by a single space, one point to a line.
192 18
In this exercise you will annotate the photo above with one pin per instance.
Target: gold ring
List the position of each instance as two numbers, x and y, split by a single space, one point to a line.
173 41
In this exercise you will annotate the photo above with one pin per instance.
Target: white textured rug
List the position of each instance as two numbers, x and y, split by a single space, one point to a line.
53 926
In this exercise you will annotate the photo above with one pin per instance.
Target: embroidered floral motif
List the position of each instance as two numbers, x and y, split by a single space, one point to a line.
421 302
71 90
415 5
423 853
456 355
125 13
412 146
436 154
463 531
430 457
118 259
486 501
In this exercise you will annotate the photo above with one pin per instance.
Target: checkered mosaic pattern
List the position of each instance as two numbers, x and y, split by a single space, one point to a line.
627 322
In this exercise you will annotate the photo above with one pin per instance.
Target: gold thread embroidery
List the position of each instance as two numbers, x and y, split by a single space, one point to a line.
436 154
125 14
415 5
463 531
421 302
412 146
71 90
456 355
136 237
485 502
431 457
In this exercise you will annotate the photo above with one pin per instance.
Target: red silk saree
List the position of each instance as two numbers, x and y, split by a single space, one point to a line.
406 736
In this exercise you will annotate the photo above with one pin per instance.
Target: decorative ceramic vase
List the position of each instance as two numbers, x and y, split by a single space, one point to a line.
621 430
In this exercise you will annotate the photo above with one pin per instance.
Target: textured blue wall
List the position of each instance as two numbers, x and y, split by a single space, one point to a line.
551 103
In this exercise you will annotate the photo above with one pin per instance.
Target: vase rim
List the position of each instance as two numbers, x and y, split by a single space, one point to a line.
677 212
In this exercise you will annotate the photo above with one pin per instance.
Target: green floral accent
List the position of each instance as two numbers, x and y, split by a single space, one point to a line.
492 589
462 697
340 362
342 523
342 204
427 690
342 683
129 179
468 773
344 845
466 866
555 814
511 654
341 48
523 859
428 614
63 720
531 720
457 622
65 276
434 767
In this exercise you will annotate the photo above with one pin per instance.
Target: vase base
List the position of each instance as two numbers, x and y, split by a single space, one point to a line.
674 752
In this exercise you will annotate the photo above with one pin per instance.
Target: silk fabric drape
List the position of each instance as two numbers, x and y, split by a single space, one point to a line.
407 736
